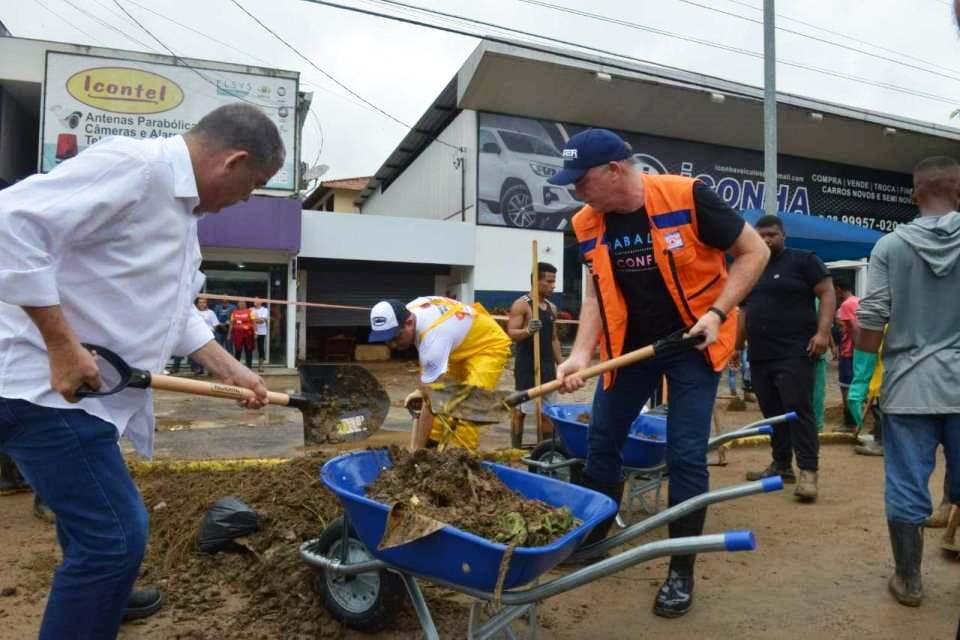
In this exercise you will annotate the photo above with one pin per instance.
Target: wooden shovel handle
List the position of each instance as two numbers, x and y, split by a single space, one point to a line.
596 370
672 343
212 389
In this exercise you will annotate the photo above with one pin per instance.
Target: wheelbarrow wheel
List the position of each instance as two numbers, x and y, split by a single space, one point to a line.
553 452
365 602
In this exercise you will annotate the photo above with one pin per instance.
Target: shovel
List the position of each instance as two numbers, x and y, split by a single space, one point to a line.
482 406
342 403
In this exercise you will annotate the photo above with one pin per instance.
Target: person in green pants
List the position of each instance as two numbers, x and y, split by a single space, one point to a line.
820 382
864 392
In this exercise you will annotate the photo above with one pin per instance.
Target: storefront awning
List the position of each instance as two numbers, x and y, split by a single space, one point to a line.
829 239
260 223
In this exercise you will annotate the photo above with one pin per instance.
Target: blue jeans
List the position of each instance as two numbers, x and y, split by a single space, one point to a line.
73 462
692 390
744 374
910 451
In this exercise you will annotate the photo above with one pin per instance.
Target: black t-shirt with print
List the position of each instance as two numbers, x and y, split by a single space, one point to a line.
651 312
781 314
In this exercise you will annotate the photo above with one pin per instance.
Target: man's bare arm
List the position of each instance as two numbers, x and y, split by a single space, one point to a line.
70 364
517 321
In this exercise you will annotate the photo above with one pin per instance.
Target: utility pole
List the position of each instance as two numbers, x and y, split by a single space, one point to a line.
769 109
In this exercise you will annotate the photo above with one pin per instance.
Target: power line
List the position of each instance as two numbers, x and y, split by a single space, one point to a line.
246 54
849 37
106 24
663 32
337 82
738 50
184 62
821 40
65 21
567 44
316 120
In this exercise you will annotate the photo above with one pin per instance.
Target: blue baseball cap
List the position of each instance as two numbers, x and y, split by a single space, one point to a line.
588 149
386 319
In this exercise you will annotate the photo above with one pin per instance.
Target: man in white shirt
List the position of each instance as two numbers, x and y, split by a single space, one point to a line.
88 253
461 341
212 321
261 319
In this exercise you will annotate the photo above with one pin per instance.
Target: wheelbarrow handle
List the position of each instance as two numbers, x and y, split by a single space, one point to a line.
674 343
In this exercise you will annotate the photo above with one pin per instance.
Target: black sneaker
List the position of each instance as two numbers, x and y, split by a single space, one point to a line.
789 477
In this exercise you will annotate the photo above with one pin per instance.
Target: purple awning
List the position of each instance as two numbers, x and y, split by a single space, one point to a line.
260 223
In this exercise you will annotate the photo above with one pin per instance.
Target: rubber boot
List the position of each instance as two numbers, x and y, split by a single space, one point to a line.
143 603
905 584
675 596
612 489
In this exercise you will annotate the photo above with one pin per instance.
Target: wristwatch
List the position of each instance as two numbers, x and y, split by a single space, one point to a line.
720 314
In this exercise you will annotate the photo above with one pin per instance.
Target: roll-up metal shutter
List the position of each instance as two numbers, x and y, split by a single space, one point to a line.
364 285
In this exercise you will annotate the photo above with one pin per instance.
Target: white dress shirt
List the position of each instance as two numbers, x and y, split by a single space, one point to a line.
210 318
111 237
262 314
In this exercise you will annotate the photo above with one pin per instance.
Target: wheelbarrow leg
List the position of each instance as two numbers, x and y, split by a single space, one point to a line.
499 623
420 607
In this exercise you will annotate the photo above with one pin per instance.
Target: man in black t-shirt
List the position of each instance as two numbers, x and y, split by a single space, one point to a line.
787 335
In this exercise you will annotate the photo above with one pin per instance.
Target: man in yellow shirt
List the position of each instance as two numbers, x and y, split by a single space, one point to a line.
459 342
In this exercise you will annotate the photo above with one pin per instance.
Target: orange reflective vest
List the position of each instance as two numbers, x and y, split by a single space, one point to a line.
694 272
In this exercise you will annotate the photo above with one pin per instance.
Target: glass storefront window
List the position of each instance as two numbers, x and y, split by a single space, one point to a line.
253 280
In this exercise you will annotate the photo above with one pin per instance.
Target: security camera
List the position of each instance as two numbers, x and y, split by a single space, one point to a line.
72 120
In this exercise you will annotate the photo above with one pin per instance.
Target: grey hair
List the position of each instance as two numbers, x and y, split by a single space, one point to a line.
243 127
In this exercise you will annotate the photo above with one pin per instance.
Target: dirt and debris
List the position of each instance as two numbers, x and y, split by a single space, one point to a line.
265 587
454 488
583 417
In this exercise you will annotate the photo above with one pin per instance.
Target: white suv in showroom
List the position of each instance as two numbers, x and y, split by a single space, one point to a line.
514 168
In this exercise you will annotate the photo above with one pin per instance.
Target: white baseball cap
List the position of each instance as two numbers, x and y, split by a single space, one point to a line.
386 318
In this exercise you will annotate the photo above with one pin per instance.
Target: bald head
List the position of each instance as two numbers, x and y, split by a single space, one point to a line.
936 185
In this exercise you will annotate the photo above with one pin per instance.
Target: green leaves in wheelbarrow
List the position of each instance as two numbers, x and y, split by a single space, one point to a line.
511 529
536 530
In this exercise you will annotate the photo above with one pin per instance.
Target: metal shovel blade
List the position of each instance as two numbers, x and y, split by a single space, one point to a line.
470 403
342 402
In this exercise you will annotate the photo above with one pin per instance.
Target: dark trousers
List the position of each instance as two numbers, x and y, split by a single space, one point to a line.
692 390
74 464
782 386
261 349
243 346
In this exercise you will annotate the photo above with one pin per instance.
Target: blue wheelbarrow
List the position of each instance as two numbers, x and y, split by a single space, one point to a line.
362 585
644 452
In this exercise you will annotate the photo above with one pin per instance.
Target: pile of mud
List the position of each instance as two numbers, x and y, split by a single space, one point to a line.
264 590
454 488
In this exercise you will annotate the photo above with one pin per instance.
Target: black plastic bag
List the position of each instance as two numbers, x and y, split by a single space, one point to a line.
228 519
